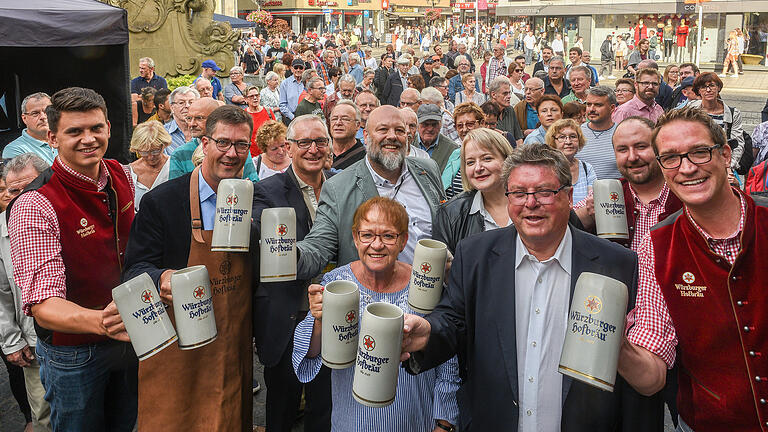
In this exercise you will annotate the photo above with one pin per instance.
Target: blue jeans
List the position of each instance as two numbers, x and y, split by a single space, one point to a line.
90 387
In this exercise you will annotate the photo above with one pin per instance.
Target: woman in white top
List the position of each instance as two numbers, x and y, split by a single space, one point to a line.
274 157
270 95
151 169
516 80
469 94
426 41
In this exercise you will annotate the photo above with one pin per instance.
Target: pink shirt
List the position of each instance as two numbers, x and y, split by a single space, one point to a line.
636 107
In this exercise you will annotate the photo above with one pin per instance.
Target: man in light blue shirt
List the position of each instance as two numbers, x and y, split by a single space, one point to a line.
290 89
33 139
180 99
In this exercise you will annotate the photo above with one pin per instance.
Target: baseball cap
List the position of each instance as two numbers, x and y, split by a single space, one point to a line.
687 82
403 60
298 62
211 64
428 60
429 112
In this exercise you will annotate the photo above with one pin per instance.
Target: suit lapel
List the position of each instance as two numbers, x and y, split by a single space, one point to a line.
582 260
296 200
365 180
503 253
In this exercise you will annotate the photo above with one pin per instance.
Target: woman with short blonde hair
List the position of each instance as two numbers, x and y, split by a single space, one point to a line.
566 135
274 156
153 165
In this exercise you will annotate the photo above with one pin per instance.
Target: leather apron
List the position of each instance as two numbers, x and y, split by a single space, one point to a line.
208 388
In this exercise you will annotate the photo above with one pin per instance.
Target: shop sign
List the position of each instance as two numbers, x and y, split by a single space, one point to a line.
406 9
464 5
323 3
273 3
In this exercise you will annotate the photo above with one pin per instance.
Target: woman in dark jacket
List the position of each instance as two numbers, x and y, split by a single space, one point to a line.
483 206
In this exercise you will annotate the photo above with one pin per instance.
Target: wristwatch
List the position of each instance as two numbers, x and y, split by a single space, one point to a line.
446 428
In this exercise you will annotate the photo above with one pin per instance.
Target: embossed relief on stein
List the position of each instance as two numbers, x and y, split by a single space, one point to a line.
178 35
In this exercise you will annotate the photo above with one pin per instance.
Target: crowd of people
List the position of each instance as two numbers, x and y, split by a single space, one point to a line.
495 156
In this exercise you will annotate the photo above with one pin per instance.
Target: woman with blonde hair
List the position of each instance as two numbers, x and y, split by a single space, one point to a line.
274 157
732 55
672 75
566 136
151 169
483 204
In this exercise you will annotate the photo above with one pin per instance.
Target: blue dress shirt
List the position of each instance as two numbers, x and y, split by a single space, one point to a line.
290 89
207 202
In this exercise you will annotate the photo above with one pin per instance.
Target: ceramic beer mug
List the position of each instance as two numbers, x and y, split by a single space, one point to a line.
340 325
232 225
378 355
193 307
144 315
595 331
277 253
610 211
427 275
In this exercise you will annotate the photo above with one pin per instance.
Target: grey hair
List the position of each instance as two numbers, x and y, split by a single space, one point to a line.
538 154
148 61
314 80
183 90
432 95
459 58
236 69
326 53
496 83
358 115
22 161
202 80
587 72
347 78
270 75
368 71
35 96
291 132
603 91
557 59
306 75
355 57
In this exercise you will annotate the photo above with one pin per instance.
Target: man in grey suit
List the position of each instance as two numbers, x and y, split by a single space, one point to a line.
504 312
385 171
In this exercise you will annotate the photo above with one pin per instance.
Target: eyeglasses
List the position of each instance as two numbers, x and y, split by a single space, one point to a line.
490 125
544 196
709 87
467 125
367 237
531 90
565 138
404 104
223 145
699 156
151 152
305 144
34 113
253 96
183 102
342 119
298 67
624 91
648 83
196 118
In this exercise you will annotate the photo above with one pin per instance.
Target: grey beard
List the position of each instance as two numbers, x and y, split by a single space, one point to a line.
390 162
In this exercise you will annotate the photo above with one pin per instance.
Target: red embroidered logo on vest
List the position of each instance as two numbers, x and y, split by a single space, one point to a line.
688 290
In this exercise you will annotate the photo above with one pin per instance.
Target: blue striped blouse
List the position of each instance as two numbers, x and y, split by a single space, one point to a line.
420 399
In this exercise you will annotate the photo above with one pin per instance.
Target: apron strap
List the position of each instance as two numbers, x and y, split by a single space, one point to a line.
194 206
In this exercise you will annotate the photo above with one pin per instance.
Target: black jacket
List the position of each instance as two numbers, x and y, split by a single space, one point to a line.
390 95
606 51
453 222
379 79
476 320
539 66
276 304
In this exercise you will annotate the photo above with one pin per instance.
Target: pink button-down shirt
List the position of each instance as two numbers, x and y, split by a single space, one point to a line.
636 107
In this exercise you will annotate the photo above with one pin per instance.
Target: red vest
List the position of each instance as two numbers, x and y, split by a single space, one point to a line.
94 229
672 205
720 314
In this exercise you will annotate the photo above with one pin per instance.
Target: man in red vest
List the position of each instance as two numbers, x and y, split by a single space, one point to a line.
68 234
700 286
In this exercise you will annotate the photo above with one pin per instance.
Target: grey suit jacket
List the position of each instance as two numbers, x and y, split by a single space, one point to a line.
331 235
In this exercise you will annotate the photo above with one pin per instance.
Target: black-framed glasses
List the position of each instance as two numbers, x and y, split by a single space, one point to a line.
367 237
543 196
698 156
305 144
223 145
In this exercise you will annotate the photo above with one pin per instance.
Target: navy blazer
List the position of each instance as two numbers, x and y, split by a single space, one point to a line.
276 304
476 320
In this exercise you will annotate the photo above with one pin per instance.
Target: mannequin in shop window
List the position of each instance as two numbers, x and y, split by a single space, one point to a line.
682 36
693 35
669 40
641 31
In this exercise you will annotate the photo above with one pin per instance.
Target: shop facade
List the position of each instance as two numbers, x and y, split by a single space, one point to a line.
623 18
321 15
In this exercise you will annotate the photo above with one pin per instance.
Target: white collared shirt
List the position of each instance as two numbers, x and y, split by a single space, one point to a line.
407 192
479 206
542 298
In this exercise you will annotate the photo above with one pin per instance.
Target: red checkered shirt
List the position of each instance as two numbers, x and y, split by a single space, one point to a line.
649 323
647 214
496 68
35 243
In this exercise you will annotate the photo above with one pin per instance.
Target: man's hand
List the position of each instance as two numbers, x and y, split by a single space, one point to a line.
165 287
316 301
415 335
113 324
22 357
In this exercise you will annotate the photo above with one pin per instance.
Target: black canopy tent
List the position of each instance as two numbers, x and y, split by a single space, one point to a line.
48 45
233 22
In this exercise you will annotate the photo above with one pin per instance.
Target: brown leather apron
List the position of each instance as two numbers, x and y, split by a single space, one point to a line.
208 388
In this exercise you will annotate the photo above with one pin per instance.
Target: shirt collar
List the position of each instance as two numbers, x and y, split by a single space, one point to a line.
28 136
640 104
380 181
172 125
101 183
660 200
204 190
303 185
737 233
563 254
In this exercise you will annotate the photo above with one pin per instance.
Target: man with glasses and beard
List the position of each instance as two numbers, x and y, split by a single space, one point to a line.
385 171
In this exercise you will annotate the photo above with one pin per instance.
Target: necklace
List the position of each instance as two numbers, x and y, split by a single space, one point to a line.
597 134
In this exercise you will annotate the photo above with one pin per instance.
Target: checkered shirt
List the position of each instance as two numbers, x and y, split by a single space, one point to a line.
496 68
649 323
647 214
36 243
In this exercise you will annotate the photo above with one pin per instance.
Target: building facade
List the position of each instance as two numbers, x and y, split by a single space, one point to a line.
320 15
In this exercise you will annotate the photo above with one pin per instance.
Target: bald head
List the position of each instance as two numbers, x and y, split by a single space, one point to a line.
411 122
409 98
534 90
648 64
198 114
204 87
